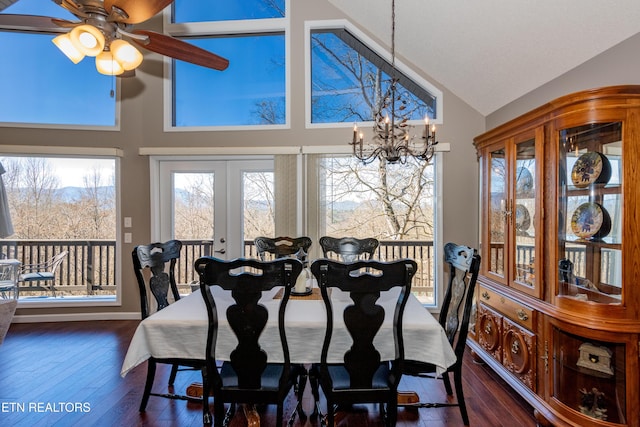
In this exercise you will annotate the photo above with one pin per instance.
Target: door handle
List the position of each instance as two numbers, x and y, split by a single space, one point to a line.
221 251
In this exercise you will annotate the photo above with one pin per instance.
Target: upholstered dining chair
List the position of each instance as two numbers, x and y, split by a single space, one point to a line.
349 249
282 246
249 376
154 267
361 376
463 265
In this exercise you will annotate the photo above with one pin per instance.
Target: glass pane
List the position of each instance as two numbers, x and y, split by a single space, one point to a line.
589 376
349 81
259 208
524 212
193 206
590 214
497 211
44 87
238 96
201 11
62 204
392 203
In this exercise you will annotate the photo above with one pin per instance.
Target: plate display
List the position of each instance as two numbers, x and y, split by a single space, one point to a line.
590 221
591 168
524 181
523 219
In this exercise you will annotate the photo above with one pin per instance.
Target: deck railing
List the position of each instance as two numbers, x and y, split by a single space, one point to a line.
89 268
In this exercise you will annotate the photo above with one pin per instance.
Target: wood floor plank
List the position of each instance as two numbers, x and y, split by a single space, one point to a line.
46 367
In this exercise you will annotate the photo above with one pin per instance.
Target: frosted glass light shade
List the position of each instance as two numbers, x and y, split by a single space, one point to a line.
63 42
127 55
107 64
87 39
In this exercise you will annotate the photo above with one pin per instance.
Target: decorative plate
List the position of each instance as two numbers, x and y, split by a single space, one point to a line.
524 181
523 219
590 221
590 168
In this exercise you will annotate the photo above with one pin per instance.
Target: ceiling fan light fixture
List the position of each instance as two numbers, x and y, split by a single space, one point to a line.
87 39
63 42
126 54
107 64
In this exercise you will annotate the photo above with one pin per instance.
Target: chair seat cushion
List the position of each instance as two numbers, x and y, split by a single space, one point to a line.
27 277
341 379
270 377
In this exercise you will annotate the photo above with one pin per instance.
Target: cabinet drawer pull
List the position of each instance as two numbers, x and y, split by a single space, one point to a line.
515 347
522 315
486 296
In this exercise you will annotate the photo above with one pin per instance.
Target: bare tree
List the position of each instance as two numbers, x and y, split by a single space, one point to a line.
392 201
194 207
259 209
31 187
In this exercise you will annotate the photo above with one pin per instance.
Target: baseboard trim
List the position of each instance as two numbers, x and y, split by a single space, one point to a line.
74 317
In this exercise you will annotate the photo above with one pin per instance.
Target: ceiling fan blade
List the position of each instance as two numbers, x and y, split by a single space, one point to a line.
174 48
45 24
138 10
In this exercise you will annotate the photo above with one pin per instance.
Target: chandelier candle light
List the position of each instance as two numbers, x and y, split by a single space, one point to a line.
392 139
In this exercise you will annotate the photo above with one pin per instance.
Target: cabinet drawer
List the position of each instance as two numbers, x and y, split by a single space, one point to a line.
519 313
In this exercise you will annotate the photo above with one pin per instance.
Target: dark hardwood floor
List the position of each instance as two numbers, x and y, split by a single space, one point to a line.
68 374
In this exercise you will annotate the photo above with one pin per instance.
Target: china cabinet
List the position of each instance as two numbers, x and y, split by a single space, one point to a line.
558 304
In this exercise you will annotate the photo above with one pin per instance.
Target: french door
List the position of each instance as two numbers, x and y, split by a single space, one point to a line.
220 201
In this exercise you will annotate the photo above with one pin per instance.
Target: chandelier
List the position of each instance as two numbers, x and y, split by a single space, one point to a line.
392 134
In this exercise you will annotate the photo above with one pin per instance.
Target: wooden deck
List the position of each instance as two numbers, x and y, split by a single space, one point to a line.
68 374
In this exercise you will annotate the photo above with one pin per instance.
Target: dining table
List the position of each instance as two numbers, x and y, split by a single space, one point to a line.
179 331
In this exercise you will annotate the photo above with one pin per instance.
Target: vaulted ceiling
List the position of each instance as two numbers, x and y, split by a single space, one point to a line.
491 52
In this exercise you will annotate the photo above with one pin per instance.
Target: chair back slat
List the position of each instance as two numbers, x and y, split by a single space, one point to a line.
282 246
364 281
349 249
154 267
246 279
464 264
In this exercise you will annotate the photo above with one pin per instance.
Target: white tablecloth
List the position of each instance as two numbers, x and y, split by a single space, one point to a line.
179 331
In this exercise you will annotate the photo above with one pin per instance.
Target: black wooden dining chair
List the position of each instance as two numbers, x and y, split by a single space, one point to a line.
361 376
248 377
154 267
464 264
283 246
348 249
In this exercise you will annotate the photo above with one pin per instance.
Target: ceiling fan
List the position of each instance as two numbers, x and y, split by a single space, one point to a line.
103 30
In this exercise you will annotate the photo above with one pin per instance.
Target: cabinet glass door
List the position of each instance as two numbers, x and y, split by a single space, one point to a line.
498 211
590 213
523 213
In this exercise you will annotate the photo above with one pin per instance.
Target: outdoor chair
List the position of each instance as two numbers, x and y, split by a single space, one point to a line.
464 264
361 377
154 267
248 377
349 249
44 272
